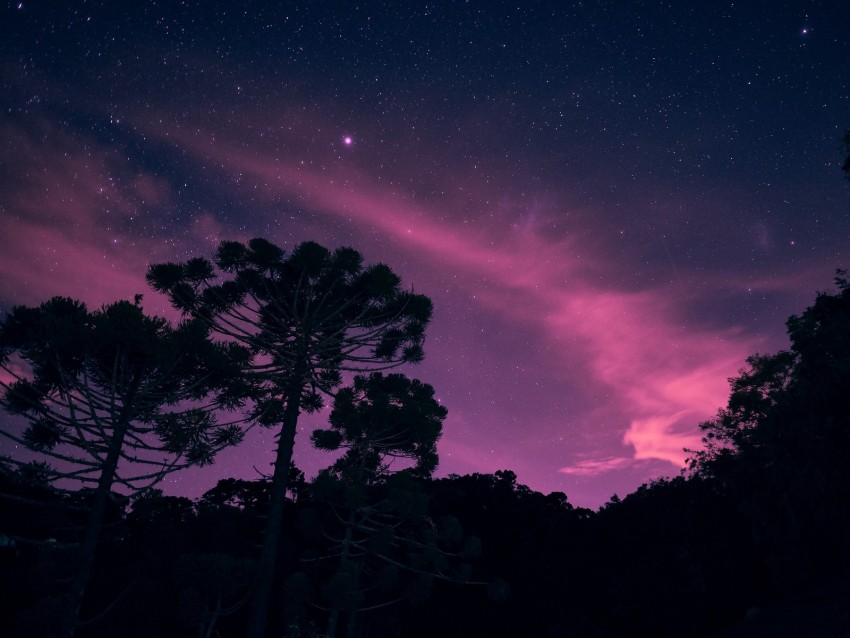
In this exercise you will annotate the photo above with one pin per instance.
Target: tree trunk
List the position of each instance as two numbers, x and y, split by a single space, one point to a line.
88 547
208 631
259 610
333 619
352 623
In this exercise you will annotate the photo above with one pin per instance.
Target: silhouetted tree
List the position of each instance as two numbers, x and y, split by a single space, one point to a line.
806 384
780 446
117 399
378 421
308 317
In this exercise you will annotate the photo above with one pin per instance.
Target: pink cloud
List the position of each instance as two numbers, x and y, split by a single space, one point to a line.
597 467
76 220
655 437
635 344
670 378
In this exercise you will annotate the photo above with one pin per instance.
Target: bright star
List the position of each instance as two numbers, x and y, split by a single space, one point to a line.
348 140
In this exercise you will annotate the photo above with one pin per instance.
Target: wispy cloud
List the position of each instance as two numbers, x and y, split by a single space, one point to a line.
83 221
597 467
80 220
637 345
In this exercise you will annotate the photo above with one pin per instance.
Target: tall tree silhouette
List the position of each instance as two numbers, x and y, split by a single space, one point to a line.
780 445
116 399
308 317
377 421
796 395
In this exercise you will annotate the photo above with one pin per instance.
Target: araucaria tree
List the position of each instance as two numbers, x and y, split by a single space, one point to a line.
115 400
308 317
381 419
383 524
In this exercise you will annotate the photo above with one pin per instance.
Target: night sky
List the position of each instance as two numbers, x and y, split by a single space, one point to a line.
611 204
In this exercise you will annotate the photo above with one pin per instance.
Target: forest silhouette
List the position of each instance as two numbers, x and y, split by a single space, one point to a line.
104 404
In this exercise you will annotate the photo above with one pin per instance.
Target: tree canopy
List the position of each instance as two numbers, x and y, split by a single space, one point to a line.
380 419
780 446
308 317
115 399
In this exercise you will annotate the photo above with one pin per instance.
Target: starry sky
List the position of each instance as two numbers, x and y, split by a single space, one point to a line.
611 204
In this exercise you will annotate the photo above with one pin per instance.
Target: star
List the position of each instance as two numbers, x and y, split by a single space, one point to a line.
348 140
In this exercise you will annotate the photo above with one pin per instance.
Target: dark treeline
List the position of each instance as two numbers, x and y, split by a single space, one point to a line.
374 545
